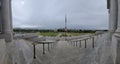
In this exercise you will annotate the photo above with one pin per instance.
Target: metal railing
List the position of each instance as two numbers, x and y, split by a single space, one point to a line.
43 42
75 42
50 44
35 41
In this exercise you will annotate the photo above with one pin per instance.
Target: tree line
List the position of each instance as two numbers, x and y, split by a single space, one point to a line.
57 30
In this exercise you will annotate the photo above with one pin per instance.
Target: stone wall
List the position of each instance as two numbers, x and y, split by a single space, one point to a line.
104 51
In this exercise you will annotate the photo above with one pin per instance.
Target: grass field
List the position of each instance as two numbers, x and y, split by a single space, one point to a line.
56 33
48 33
76 34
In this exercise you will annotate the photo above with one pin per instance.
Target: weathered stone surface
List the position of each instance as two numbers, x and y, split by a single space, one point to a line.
22 52
65 53
2 51
113 16
114 48
118 18
6 20
114 27
102 53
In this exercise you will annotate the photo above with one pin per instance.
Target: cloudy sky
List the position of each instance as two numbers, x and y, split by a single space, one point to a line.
50 14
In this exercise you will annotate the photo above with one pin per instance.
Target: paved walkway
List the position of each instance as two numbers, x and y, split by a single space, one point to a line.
63 53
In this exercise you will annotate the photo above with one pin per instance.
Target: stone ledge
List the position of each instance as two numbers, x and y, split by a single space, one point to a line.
117 35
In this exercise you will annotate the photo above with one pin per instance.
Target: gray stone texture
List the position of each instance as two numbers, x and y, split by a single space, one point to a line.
5 54
113 17
6 20
118 26
65 53
6 31
2 51
114 29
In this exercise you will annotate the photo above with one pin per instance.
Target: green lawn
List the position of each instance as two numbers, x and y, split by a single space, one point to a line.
56 33
76 34
48 33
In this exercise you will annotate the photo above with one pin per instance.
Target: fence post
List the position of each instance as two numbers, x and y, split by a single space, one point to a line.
48 47
85 44
43 48
93 41
34 51
80 43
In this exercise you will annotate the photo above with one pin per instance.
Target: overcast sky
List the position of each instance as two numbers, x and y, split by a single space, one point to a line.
50 14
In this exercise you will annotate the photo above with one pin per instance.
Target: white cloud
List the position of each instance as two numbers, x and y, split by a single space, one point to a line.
22 2
29 26
50 13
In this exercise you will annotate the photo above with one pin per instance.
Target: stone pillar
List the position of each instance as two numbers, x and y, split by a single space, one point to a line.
6 19
118 26
0 24
113 16
117 34
0 20
117 54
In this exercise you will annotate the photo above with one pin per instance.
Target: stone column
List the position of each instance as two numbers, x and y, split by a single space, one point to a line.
113 16
0 19
118 26
117 34
6 19
0 23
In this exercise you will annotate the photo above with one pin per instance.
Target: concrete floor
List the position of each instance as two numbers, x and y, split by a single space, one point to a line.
62 52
